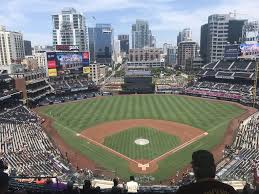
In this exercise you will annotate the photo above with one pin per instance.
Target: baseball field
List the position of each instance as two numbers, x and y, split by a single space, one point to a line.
141 134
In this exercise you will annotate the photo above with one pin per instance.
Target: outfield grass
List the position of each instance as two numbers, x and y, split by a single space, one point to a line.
209 116
159 143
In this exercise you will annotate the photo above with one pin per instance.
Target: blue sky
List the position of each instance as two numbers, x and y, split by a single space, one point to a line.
166 17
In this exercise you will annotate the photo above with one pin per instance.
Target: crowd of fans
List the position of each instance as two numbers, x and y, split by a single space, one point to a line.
242 157
226 80
27 149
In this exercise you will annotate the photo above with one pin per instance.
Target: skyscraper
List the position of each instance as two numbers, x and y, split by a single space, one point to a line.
184 35
171 57
141 34
235 31
250 33
179 38
100 43
69 29
187 34
27 47
166 46
218 28
11 47
204 42
124 43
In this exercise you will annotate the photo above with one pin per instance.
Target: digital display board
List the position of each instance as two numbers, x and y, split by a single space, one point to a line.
86 70
249 50
52 72
232 52
61 62
64 59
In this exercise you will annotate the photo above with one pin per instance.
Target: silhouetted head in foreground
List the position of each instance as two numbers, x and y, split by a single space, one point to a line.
203 164
132 178
4 182
115 182
87 184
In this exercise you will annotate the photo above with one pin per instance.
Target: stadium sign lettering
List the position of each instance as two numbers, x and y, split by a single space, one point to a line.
67 47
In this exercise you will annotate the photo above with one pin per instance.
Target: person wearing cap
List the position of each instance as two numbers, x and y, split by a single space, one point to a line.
204 169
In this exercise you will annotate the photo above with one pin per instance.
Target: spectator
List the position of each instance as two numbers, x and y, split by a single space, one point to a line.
257 189
116 189
40 181
3 167
4 183
97 190
132 186
87 188
204 169
70 189
247 189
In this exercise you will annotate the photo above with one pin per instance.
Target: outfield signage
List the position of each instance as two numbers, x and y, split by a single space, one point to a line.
224 77
67 48
232 52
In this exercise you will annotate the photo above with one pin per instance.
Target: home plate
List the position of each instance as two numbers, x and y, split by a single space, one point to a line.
143 166
78 134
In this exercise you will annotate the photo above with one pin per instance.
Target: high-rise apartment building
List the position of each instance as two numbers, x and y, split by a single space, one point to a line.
69 29
124 43
101 43
11 47
218 29
187 51
141 35
204 42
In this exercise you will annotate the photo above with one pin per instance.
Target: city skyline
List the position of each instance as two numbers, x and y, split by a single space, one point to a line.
166 17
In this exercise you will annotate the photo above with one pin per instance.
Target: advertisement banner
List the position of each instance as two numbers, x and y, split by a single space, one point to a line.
232 52
52 72
85 55
85 61
86 70
249 50
52 64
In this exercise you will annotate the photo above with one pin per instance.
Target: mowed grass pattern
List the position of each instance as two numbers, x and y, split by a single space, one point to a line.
209 116
159 143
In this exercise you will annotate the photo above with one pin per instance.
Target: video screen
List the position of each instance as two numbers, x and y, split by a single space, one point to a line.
67 61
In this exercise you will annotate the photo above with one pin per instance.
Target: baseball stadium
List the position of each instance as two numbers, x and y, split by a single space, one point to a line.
78 126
